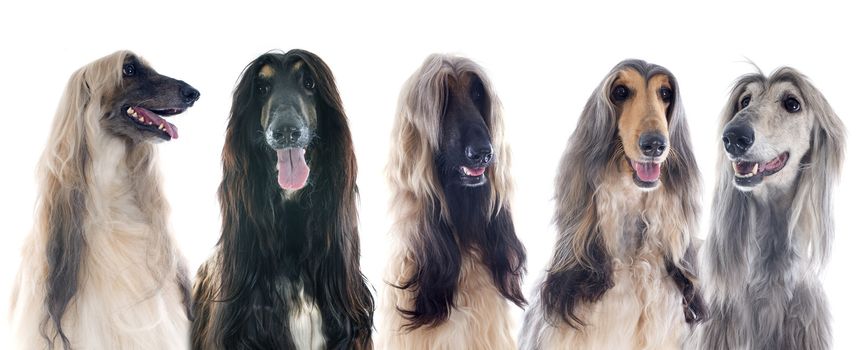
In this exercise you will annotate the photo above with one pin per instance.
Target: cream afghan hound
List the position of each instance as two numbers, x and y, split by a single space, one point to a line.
100 269
457 260
772 224
623 274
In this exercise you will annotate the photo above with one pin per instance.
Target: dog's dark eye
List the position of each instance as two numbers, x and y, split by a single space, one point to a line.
620 93
666 94
477 94
128 69
263 89
792 105
308 83
745 101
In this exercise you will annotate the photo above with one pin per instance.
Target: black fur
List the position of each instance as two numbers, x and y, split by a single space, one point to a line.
468 227
268 243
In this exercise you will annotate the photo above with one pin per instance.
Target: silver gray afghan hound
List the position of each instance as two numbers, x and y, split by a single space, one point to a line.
772 223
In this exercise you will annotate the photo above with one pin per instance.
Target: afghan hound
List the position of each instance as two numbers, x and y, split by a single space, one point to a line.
772 226
285 273
100 269
623 272
457 258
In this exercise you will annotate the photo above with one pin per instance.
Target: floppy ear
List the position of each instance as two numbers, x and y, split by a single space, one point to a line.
63 204
811 210
504 255
581 270
340 285
732 223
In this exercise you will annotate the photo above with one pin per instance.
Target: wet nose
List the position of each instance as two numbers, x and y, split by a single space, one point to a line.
652 144
738 139
480 154
188 93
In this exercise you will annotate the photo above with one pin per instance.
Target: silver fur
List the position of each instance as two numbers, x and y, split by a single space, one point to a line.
768 244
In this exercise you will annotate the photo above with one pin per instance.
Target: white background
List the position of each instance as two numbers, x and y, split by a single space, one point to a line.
543 60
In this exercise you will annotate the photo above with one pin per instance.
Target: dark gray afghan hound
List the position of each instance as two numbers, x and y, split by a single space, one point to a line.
772 225
627 193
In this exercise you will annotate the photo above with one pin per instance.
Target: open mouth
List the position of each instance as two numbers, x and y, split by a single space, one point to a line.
473 176
748 173
646 174
292 168
152 120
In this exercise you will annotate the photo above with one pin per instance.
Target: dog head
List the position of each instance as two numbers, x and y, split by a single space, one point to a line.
768 128
466 149
643 102
287 91
136 106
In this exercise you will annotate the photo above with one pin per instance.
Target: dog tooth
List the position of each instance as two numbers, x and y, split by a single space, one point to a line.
130 111
754 170
141 119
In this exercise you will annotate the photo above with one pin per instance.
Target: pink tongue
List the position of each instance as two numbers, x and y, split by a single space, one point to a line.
647 172
292 170
151 118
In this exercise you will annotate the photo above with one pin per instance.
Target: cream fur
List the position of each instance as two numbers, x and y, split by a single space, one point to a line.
479 320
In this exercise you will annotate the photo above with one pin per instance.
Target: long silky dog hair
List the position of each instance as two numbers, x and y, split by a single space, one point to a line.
279 252
581 271
448 224
100 268
766 250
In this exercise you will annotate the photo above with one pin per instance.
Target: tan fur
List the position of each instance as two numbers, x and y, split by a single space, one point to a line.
479 320
644 111
128 297
266 72
643 309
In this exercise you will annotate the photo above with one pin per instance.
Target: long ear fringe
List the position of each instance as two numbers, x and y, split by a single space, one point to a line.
64 175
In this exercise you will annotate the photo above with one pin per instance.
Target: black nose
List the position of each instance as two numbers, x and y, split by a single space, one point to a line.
652 144
738 139
480 154
287 135
188 93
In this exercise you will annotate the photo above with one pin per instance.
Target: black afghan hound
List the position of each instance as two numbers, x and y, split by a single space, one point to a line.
285 273
458 259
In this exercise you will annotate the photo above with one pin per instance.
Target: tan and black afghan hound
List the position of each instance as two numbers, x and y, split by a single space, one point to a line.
772 226
457 259
100 269
285 274
623 273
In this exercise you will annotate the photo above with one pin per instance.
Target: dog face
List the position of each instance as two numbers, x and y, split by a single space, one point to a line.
288 116
466 148
768 134
137 107
642 125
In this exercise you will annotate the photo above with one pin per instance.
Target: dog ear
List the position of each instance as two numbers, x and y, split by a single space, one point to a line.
819 169
684 275
437 260
340 285
505 256
64 175
581 269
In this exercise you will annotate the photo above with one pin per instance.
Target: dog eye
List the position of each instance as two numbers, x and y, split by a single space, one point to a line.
308 83
263 89
745 101
666 94
620 93
792 105
477 94
128 70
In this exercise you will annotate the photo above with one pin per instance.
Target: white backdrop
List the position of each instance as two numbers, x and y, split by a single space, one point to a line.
543 60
